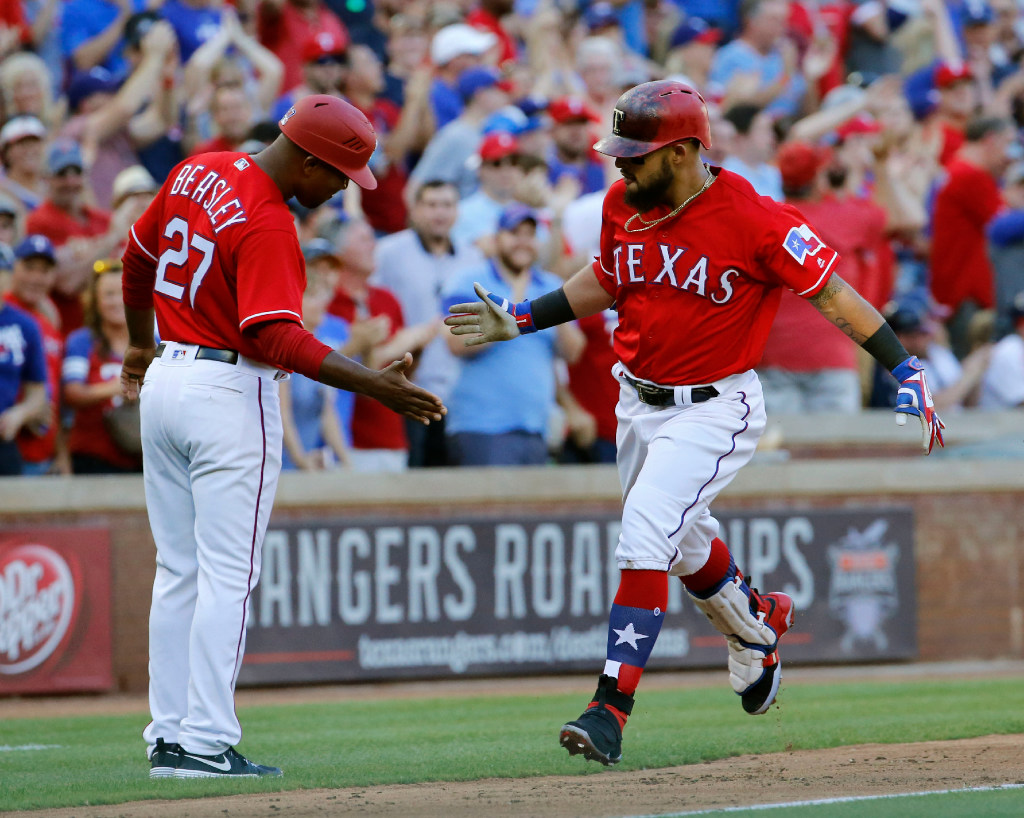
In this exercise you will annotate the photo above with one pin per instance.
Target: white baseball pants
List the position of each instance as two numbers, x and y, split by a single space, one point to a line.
211 440
673 461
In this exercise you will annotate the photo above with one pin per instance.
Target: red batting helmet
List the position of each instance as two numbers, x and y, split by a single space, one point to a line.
334 132
653 115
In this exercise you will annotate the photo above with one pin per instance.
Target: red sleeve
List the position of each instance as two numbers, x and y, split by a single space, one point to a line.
289 346
793 254
140 260
271 277
604 264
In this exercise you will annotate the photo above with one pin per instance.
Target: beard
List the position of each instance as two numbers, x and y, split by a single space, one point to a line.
653 192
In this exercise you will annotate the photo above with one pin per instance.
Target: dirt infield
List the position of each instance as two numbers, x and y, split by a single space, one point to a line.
875 769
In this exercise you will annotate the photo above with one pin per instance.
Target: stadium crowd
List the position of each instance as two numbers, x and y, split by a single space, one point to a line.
895 127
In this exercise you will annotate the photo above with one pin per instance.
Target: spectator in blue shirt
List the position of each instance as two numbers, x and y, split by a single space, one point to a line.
454 49
507 426
22 382
760 66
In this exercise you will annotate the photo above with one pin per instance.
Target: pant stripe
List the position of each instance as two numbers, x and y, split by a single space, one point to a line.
255 529
718 464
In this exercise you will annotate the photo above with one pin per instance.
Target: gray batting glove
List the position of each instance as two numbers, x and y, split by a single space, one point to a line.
490 319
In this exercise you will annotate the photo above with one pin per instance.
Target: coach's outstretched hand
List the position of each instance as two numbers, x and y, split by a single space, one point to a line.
392 388
490 319
915 398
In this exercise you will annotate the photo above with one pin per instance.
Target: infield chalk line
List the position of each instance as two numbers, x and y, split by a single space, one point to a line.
823 801
8 748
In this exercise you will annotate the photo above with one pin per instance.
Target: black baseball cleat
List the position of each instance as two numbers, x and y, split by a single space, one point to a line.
223 765
597 733
164 759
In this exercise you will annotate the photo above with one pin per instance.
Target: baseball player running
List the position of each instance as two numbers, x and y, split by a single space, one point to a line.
695 262
217 259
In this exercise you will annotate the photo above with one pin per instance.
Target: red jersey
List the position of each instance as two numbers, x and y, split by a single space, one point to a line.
37 448
286 30
218 248
696 294
374 426
960 266
84 363
590 378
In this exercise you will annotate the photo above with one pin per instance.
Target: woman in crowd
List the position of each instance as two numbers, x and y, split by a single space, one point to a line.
104 436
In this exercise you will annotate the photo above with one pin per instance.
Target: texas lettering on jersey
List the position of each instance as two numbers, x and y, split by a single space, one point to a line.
696 294
674 271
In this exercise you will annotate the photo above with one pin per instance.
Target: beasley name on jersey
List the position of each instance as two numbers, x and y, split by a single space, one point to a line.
697 293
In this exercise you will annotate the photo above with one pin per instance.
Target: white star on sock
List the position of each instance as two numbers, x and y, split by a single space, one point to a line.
629 635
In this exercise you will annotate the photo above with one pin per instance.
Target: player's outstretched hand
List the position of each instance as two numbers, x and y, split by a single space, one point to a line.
133 370
399 394
490 319
915 398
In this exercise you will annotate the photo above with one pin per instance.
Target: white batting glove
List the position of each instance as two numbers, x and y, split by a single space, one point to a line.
492 318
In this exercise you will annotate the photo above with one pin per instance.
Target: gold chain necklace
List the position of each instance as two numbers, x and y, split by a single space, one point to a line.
648 225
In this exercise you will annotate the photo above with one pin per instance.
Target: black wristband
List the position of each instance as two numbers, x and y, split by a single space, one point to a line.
550 309
886 348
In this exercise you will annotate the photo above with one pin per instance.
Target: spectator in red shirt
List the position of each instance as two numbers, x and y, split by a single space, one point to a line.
79 231
323 71
811 366
92 381
384 208
379 442
30 282
961 272
232 114
285 26
956 104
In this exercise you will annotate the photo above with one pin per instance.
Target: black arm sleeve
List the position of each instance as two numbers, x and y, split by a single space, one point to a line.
884 347
550 309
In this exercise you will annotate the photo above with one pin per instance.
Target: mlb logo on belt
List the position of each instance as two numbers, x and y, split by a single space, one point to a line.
801 242
177 353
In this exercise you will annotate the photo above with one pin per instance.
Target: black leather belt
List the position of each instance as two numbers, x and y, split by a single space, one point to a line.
654 395
225 356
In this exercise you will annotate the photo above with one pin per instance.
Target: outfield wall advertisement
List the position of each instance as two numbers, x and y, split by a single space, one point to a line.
427 598
55 610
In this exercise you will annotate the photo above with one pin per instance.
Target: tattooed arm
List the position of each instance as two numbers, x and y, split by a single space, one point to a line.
844 307
847 309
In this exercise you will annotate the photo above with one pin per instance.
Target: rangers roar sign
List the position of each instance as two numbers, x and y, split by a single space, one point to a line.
55 610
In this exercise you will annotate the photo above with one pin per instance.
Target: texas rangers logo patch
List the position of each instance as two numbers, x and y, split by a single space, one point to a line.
801 242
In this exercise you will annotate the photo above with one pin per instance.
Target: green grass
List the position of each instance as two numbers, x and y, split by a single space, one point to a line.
101 759
990 804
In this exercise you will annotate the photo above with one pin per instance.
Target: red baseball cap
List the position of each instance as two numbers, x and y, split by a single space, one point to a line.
571 109
948 73
860 124
323 44
497 146
799 163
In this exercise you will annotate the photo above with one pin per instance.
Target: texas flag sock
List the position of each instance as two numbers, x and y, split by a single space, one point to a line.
633 627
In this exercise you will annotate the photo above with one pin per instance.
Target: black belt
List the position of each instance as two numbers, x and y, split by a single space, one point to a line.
225 356
665 395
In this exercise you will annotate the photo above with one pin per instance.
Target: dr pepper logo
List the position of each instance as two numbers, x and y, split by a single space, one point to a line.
37 606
